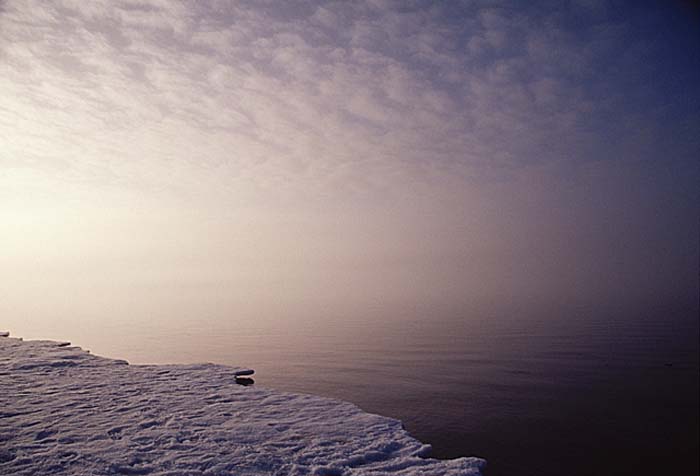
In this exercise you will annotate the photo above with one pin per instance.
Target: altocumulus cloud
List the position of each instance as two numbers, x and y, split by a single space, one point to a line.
551 143
334 94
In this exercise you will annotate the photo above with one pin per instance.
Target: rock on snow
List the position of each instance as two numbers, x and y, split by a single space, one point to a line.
65 411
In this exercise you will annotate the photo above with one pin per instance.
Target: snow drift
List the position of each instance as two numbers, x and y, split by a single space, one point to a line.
65 411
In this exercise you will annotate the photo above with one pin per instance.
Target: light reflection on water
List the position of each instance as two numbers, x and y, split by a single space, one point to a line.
596 392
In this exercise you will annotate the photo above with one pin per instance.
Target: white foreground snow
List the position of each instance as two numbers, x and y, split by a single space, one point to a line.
65 411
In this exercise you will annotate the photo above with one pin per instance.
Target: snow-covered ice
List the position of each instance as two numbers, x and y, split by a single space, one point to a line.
65 411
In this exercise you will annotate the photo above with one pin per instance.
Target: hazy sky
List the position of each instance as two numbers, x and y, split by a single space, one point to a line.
274 159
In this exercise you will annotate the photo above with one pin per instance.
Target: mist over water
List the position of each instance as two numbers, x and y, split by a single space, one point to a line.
531 325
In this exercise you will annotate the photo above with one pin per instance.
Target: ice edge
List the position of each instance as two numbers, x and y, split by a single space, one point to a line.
70 412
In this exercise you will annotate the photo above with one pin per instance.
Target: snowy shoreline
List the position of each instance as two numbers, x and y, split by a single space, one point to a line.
66 411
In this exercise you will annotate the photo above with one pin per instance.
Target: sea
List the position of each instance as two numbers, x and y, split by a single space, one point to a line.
565 389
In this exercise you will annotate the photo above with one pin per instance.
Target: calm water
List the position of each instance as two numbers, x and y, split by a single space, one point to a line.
569 390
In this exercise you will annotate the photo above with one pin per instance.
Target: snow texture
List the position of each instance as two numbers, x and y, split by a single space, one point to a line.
65 411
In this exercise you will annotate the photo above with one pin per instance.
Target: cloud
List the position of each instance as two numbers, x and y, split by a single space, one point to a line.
445 150
303 93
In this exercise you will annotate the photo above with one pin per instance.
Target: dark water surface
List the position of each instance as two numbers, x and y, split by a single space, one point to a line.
570 391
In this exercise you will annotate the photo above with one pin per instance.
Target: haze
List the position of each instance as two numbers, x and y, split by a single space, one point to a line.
303 162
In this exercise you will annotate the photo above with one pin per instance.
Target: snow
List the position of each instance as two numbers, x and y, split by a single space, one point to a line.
66 411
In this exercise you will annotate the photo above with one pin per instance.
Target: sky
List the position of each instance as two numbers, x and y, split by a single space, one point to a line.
270 160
